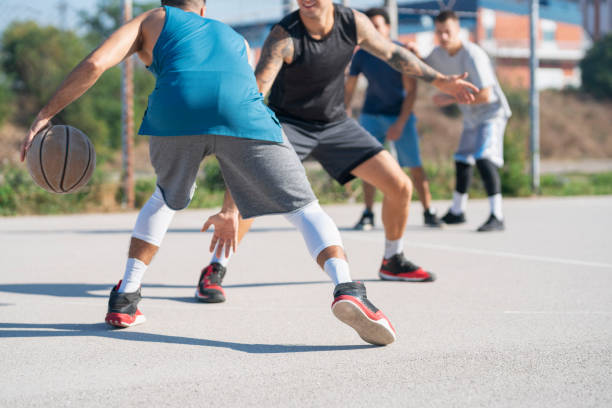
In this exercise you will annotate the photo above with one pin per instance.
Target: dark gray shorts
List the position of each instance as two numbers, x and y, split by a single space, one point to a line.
263 177
339 146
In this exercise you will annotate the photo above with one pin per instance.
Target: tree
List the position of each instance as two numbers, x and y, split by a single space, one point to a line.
107 17
596 73
37 59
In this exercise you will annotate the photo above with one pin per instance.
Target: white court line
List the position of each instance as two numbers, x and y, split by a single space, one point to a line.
491 253
551 312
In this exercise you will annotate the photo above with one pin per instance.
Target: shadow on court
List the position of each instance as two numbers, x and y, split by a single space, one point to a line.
84 290
29 330
129 231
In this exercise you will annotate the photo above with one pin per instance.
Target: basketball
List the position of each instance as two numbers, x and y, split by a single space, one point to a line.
61 159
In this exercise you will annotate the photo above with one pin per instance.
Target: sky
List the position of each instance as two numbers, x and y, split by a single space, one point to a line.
230 11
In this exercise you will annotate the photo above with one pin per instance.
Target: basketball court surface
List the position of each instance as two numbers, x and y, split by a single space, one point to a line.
516 319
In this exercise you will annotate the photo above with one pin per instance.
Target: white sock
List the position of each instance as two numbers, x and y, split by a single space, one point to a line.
459 203
134 271
222 260
393 247
338 270
496 206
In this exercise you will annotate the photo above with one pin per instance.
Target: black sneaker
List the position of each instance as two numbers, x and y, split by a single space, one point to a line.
451 218
209 286
351 306
492 224
123 308
431 219
398 268
366 222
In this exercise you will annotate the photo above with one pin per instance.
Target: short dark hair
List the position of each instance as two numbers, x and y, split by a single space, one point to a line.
446 15
377 11
183 3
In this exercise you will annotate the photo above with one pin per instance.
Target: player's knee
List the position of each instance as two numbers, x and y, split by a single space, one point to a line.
177 201
403 189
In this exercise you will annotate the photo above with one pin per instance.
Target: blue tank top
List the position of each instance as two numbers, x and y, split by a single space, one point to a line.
205 84
385 93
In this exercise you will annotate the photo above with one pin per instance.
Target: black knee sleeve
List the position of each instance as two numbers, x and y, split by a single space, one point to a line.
490 176
464 177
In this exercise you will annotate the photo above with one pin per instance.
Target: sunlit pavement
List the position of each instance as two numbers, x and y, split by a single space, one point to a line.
520 318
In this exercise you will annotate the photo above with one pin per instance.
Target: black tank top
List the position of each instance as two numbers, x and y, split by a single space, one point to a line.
311 88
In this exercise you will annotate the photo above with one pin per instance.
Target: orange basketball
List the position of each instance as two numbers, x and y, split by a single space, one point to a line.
61 159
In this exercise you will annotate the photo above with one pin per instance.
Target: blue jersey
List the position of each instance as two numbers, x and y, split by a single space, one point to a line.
205 84
385 93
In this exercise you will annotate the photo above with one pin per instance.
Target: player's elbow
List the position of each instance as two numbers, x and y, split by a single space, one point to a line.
94 65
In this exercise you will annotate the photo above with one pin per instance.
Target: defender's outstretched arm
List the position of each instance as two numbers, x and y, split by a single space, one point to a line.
408 63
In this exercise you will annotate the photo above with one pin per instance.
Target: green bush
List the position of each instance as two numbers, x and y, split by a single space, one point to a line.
595 68
6 99
20 195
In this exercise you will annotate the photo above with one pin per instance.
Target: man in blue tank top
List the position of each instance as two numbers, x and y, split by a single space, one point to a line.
388 115
206 102
302 65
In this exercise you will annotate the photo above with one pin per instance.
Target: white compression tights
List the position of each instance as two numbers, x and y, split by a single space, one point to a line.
317 228
151 226
320 232
153 220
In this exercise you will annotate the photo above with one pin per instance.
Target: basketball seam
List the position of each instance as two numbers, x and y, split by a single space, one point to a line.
86 167
61 185
42 167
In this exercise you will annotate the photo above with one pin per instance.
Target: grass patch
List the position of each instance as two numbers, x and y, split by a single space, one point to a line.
573 184
20 196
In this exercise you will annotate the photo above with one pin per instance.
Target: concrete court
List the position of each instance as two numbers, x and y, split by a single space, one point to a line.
516 319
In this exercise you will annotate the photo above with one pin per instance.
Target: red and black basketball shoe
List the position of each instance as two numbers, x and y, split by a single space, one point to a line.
398 268
123 308
351 306
209 286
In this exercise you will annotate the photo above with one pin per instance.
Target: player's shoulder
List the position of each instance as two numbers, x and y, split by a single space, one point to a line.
436 53
474 50
155 15
291 21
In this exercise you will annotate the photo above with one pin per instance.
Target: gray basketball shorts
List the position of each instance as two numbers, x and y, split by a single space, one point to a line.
484 141
263 177
339 146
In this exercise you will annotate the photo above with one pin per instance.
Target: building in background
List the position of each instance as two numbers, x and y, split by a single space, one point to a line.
597 17
501 28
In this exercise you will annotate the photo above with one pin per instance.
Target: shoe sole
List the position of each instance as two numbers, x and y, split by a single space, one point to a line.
114 319
383 276
497 229
377 332
366 227
217 298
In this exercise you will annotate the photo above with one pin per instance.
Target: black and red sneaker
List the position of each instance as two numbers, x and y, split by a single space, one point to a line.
351 306
398 268
209 286
123 308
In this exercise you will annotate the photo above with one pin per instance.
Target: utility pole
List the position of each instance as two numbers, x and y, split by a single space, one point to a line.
127 116
391 6
62 8
597 19
534 96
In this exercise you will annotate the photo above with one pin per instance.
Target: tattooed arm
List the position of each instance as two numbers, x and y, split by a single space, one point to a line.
409 64
277 49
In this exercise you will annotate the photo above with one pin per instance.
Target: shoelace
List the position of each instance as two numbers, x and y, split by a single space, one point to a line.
212 276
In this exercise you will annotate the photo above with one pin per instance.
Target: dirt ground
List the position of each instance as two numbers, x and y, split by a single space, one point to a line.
573 128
